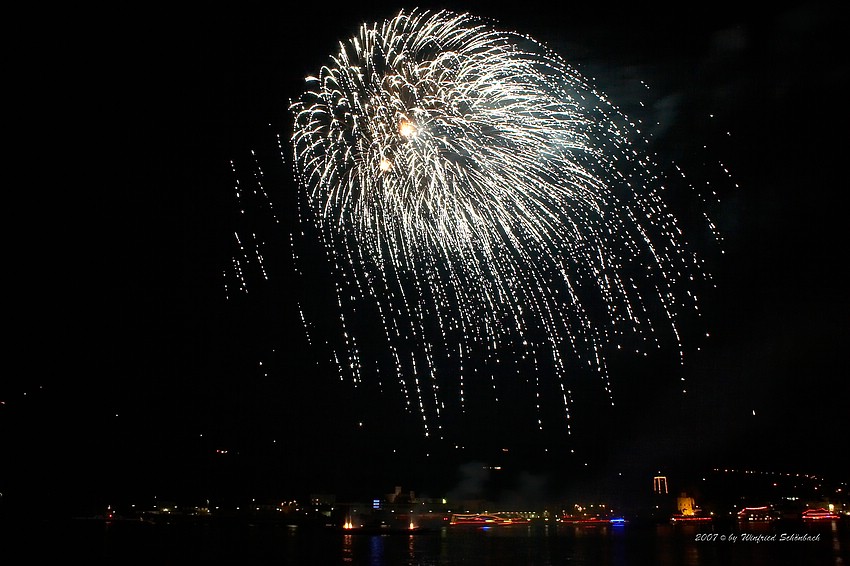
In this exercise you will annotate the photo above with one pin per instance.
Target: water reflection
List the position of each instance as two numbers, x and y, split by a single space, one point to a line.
346 549
836 545
718 544
376 551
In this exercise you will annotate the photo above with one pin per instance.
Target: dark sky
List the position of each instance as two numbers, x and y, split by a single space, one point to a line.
156 370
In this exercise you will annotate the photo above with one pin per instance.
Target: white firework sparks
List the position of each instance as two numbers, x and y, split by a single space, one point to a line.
486 199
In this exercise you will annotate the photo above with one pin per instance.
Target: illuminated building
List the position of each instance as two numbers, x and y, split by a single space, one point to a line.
685 505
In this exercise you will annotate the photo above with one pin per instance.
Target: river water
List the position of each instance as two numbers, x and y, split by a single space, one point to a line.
98 542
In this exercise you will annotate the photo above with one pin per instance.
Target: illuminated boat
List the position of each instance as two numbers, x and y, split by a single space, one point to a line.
679 518
820 514
763 513
474 519
507 519
488 520
585 521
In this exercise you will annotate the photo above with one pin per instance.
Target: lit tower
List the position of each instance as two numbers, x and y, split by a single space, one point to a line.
659 484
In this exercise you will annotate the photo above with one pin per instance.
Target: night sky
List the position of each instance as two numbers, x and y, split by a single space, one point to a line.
144 376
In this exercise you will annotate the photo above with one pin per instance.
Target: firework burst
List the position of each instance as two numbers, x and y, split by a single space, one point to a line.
487 202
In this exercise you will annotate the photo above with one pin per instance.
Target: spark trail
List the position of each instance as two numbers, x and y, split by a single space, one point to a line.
488 203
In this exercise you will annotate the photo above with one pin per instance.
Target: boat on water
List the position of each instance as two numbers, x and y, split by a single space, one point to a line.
820 514
512 519
591 521
488 519
681 518
762 514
